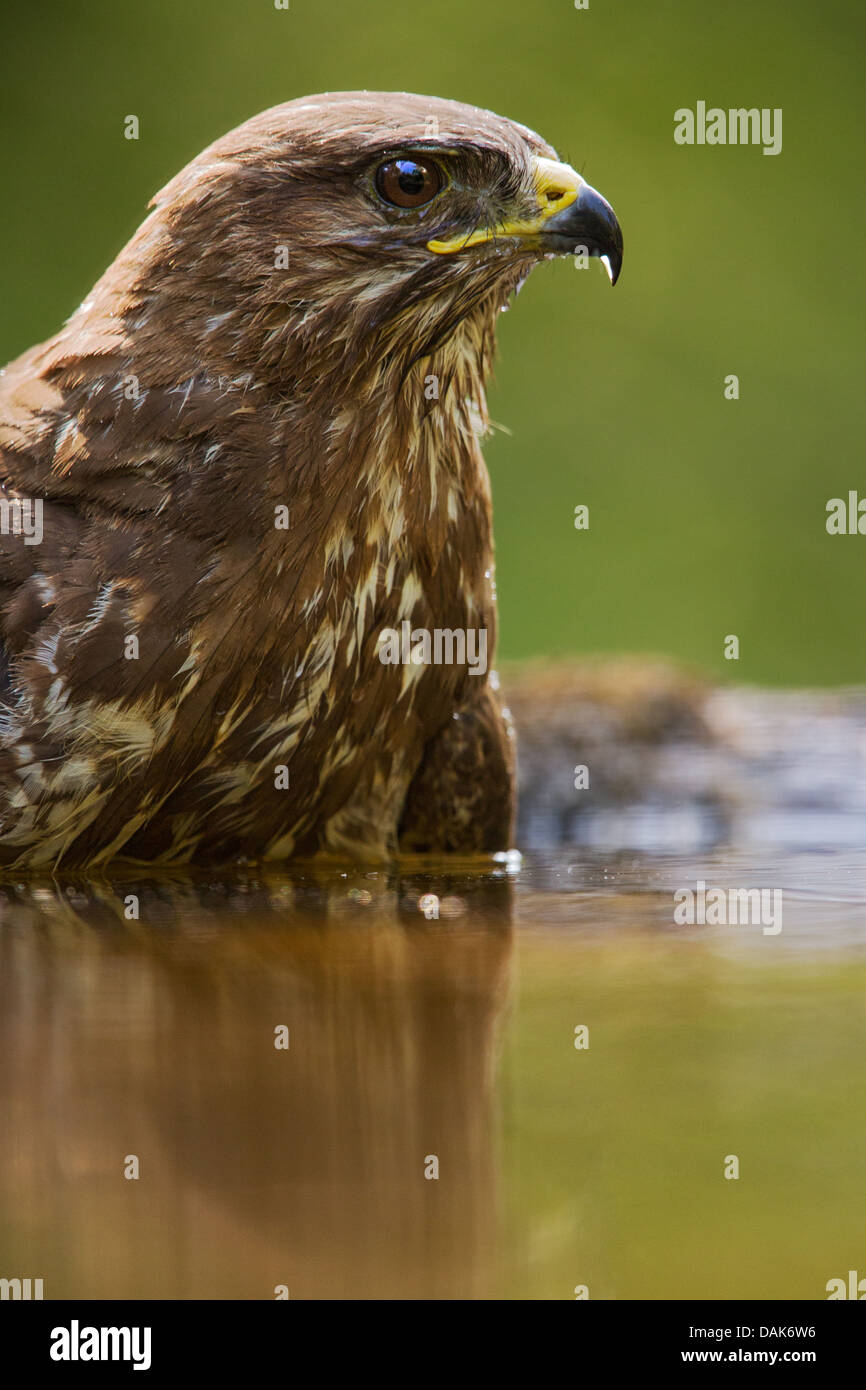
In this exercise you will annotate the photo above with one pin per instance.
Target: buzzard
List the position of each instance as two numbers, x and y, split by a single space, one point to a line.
249 453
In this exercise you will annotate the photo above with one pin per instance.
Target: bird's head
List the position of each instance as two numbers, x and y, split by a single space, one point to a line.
337 231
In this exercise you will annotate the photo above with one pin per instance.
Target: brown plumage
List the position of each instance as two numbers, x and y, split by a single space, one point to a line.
255 448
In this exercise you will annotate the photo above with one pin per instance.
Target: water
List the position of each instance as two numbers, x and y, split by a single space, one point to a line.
411 1038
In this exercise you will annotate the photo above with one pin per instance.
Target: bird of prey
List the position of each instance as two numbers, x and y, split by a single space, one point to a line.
251 452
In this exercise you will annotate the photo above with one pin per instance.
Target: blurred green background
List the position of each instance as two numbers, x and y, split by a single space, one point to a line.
707 516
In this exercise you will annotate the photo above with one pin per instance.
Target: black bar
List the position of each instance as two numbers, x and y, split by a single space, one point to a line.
223 1338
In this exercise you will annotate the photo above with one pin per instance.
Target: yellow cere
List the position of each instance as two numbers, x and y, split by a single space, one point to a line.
557 185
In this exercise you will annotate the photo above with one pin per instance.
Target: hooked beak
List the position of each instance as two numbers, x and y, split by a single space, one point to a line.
569 217
589 225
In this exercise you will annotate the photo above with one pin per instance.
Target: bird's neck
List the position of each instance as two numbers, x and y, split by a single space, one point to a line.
402 451
387 508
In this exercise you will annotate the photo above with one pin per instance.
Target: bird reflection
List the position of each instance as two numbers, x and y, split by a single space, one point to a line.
139 1018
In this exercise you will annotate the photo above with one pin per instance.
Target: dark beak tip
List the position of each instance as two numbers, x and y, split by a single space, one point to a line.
589 221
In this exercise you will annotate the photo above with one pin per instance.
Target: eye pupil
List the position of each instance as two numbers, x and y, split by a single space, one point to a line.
411 177
408 183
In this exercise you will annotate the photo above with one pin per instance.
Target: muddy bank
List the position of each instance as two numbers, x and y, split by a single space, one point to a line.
639 754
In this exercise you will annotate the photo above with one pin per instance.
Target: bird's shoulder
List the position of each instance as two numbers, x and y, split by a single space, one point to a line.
108 490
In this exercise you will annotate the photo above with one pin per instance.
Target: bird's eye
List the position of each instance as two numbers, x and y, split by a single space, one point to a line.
406 183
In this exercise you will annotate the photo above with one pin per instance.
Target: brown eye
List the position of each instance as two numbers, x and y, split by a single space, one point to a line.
406 183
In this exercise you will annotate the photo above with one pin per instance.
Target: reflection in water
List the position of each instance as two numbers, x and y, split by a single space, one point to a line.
451 1037
258 1166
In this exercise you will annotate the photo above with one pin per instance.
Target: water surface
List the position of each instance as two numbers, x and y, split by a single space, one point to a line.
413 1037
